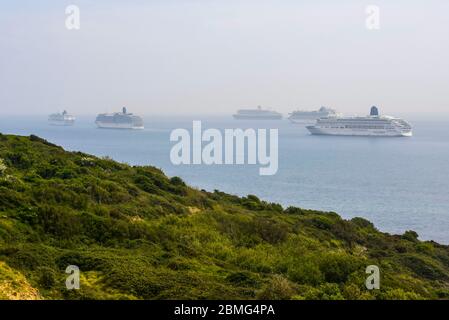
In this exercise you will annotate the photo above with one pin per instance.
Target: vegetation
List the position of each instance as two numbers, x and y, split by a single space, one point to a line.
137 234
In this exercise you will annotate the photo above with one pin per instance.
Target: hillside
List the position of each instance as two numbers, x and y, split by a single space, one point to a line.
137 234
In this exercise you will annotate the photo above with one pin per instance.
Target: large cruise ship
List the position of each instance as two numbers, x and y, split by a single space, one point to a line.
61 119
372 125
257 114
301 116
119 120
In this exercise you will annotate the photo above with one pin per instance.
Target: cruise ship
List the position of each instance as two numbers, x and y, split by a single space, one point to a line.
257 114
61 119
372 125
301 116
119 120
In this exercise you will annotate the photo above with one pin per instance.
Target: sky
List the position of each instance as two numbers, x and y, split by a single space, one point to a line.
213 57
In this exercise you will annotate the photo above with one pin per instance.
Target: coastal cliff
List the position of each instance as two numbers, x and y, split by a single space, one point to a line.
135 233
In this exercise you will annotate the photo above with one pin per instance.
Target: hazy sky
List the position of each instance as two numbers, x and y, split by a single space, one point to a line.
178 57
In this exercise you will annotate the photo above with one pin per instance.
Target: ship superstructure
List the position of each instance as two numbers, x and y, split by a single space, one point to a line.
302 116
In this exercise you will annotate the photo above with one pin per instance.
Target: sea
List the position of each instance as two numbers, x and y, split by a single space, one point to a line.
397 183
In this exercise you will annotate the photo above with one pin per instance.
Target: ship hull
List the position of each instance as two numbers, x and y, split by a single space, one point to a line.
302 121
304 118
126 126
64 123
361 132
251 117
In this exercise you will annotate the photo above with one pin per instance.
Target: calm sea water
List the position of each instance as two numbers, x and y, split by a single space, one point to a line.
397 183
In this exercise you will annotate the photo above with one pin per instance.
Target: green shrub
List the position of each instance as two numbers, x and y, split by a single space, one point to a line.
362 223
270 230
337 267
19 160
305 272
242 279
59 221
327 291
295 210
177 181
424 268
321 222
278 288
3 167
47 277
410 235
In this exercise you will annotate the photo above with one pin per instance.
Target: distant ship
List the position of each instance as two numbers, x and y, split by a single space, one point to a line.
257 114
372 125
301 116
119 120
61 119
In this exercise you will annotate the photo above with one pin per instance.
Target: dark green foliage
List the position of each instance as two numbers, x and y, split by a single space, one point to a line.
47 277
347 231
35 138
423 268
278 288
337 268
177 181
410 236
295 210
321 222
242 279
85 261
11 199
137 234
306 271
269 230
362 223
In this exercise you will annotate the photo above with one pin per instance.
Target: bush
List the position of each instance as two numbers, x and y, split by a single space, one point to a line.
146 184
321 222
346 231
3 167
242 279
337 267
177 181
30 257
47 277
423 268
278 288
295 210
399 294
327 291
19 160
362 223
85 261
270 231
60 222
305 272
35 138
410 235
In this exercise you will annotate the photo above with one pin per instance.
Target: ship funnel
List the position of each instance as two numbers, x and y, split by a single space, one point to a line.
374 111
124 110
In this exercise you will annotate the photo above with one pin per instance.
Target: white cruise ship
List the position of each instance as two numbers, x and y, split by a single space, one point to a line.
372 125
119 120
257 114
61 119
303 116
